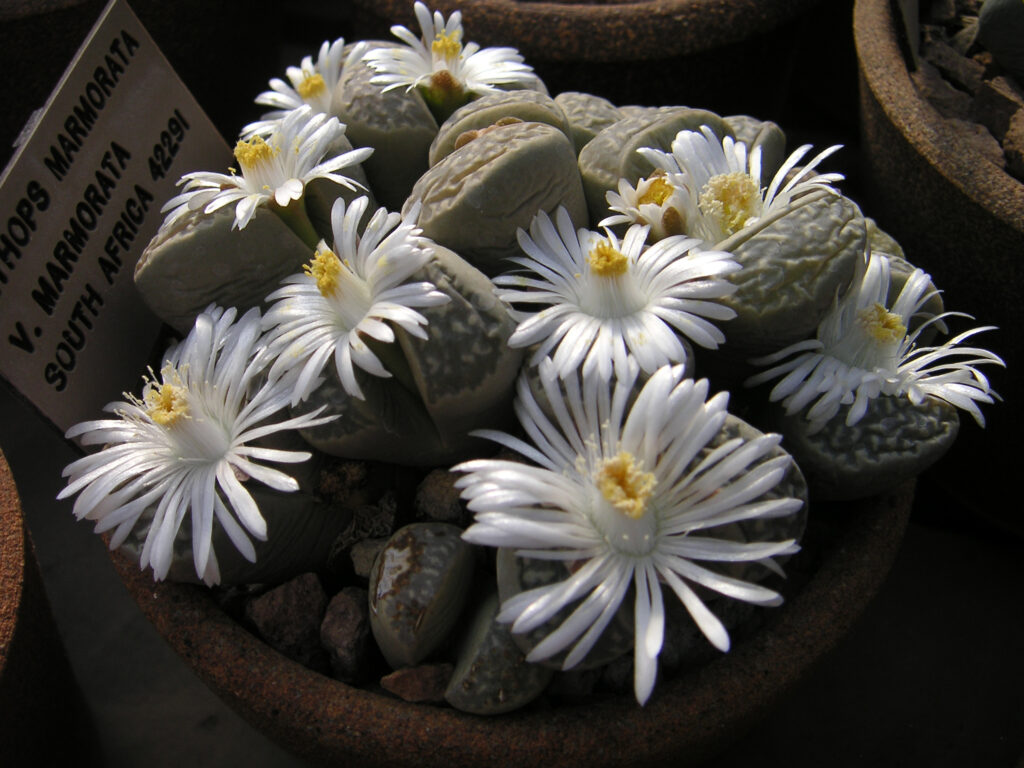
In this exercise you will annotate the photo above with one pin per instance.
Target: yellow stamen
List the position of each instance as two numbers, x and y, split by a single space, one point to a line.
166 404
732 198
324 268
253 152
606 261
312 85
623 484
884 326
447 45
657 192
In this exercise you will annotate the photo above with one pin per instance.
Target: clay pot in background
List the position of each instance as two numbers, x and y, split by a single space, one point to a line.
43 718
960 218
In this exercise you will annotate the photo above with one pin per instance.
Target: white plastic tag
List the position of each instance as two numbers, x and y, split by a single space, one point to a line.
79 202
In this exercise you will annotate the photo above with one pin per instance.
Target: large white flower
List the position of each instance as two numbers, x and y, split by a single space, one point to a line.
185 447
439 62
624 495
605 300
863 350
311 83
351 294
274 169
721 182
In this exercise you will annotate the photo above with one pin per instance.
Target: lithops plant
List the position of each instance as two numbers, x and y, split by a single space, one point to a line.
793 268
588 115
396 122
459 378
517 574
465 123
492 675
895 440
612 154
202 259
418 588
476 198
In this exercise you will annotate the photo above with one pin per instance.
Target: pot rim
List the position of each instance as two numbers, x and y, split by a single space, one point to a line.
655 29
691 714
884 70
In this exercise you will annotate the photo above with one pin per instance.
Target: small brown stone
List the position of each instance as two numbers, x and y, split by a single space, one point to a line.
363 554
426 682
988 61
288 618
340 483
1013 146
344 632
437 498
947 100
961 71
996 103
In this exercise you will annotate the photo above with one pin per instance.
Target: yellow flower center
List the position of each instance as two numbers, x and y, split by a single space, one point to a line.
325 268
625 485
606 261
657 192
167 404
312 85
732 199
883 326
253 152
447 45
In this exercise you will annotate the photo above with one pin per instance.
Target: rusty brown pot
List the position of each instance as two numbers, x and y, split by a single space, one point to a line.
960 218
43 720
689 717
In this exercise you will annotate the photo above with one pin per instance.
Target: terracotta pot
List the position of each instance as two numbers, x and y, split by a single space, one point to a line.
960 218
848 551
726 55
43 720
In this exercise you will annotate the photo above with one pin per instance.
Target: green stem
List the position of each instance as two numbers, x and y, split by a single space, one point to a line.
295 216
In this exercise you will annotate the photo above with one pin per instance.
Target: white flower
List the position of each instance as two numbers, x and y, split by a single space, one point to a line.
438 59
623 497
605 300
349 295
722 183
863 350
310 83
654 201
275 169
184 447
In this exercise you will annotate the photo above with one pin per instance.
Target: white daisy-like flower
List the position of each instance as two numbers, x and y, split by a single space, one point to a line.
274 169
623 494
863 349
605 300
350 294
654 201
438 61
722 182
311 83
185 447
